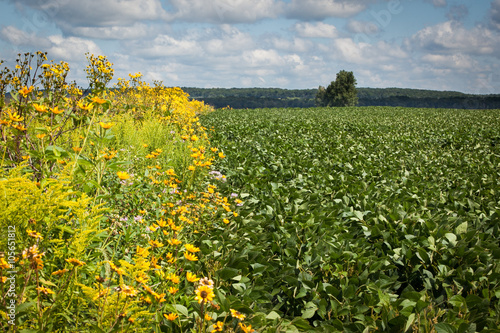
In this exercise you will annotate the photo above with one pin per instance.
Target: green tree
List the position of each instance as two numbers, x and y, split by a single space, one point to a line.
341 92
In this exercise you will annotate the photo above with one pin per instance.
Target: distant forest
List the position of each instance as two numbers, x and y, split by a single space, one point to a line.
251 98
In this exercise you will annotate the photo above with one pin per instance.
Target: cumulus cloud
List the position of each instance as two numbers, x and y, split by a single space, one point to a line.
316 30
69 15
321 9
452 36
223 11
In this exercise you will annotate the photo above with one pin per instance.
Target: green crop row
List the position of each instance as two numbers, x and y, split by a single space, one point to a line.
363 219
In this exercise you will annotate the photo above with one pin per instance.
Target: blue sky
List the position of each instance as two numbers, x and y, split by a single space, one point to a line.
295 44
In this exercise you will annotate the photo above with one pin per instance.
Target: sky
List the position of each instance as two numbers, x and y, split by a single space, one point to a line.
293 44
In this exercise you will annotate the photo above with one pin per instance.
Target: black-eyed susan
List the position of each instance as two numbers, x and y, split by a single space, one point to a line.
206 282
204 294
75 262
237 314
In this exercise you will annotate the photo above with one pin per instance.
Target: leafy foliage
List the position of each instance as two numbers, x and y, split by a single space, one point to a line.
363 219
341 92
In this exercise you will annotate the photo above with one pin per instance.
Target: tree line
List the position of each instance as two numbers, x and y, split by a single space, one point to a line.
340 93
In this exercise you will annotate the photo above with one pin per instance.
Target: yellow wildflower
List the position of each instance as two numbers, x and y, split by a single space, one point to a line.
191 248
106 125
190 257
173 290
44 290
246 329
123 175
237 314
128 290
191 277
171 316
218 327
75 262
204 294
60 272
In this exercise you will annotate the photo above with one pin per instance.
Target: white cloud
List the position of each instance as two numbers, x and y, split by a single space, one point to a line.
137 30
96 13
452 36
362 27
19 37
457 61
71 48
319 29
321 9
57 46
223 11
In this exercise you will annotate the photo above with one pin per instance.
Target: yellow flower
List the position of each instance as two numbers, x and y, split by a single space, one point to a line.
98 100
3 279
191 168
204 294
75 262
60 272
106 125
235 214
171 316
191 277
221 155
174 278
77 149
218 327
141 278
226 221
123 175
14 116
44 290
129 291
237 314
246 329
190 257
4 264
173 290
208 317
154 244
56 110
84 106
174 241
142 252
40 108
194 138
25 91
34 234
191 248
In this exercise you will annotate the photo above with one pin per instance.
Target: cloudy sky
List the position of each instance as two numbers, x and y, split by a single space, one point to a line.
427 44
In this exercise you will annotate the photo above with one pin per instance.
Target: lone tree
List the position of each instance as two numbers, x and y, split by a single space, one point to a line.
341 92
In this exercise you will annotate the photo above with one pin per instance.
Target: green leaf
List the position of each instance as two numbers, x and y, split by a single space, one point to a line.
409 322
182 310
444 328
273 315
462 228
